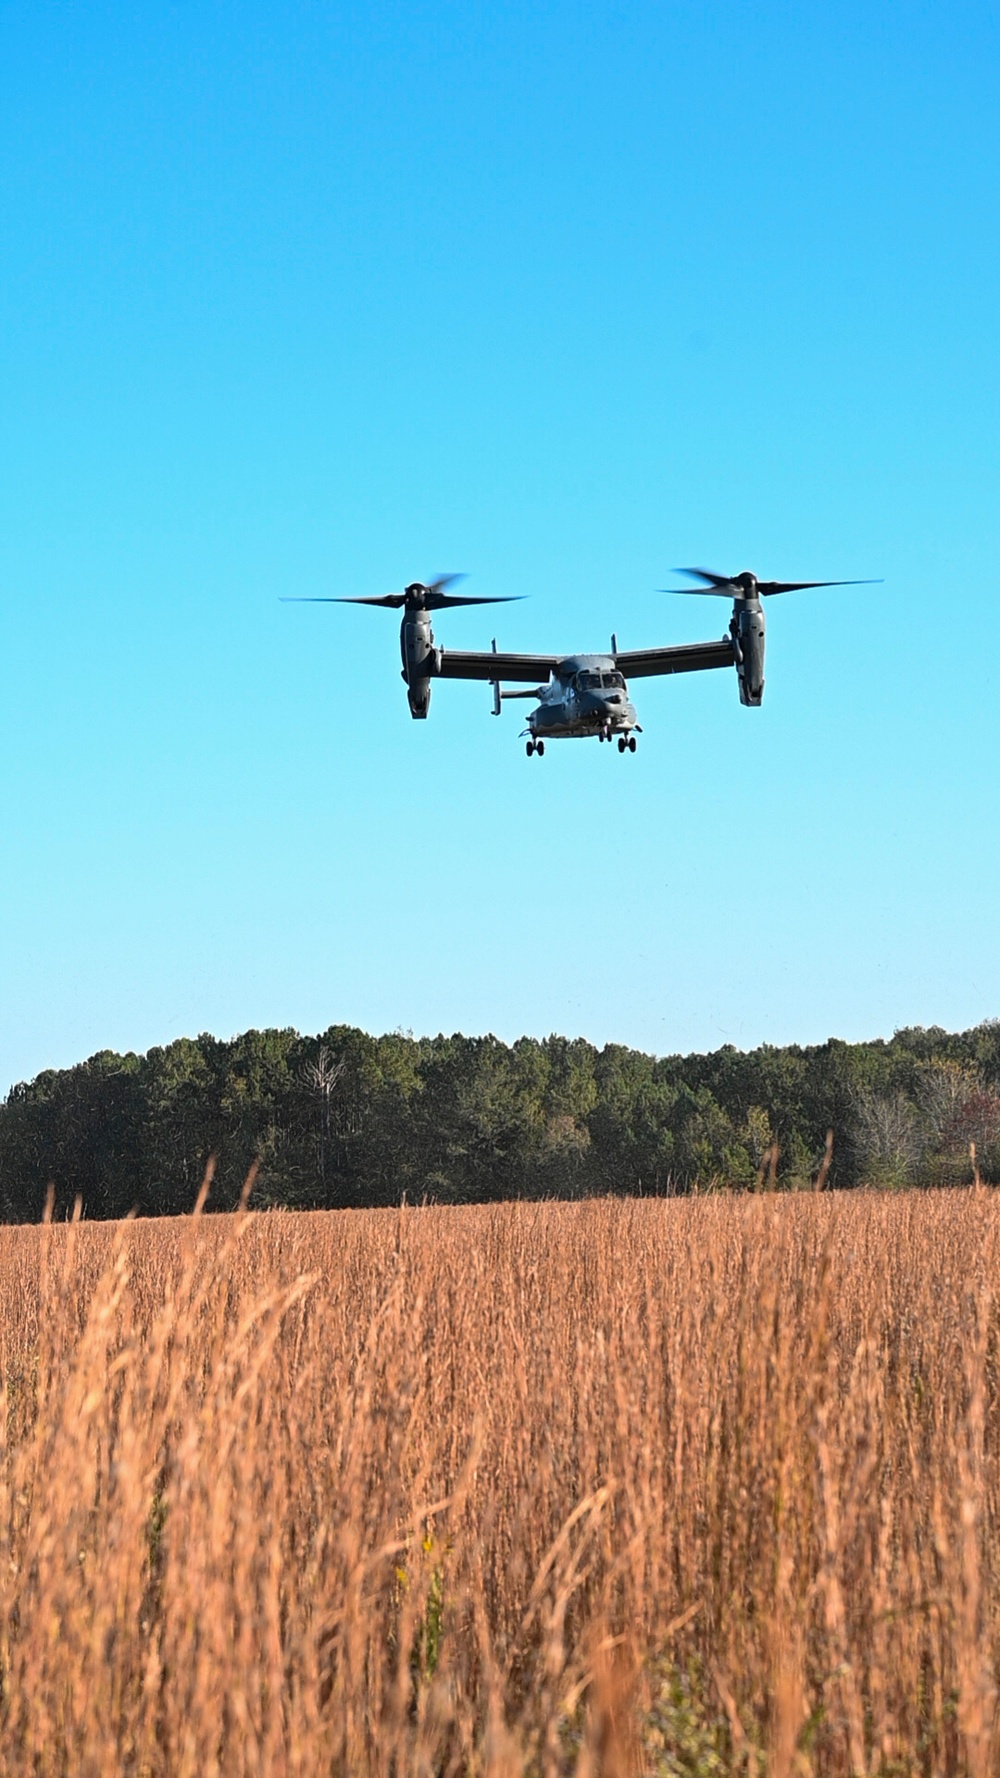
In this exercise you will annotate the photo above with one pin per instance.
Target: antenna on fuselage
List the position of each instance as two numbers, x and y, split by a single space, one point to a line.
614 643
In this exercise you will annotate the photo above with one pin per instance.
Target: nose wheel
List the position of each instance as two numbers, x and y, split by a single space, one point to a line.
534 747
626 741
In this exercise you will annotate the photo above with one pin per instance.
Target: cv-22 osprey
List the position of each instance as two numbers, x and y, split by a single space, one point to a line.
579 695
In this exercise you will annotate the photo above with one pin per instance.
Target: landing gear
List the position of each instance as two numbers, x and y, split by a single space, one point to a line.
626 741
534 747
529 748
539 748
622 743
631 743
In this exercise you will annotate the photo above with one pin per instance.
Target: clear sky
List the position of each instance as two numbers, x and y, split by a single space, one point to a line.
312 298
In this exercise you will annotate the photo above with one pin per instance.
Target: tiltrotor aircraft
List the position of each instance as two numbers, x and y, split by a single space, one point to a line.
581 694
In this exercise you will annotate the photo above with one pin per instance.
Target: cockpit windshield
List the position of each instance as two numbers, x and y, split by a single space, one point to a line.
588 681
613 682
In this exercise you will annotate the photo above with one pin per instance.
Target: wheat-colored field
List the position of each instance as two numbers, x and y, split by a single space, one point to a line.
680 1487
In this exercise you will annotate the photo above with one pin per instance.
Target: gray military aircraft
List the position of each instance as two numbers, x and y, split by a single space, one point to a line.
581 694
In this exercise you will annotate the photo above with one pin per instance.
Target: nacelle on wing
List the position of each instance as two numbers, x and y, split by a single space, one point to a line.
420 661
747 632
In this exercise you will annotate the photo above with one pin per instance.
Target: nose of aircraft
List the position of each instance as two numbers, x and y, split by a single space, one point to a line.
604 703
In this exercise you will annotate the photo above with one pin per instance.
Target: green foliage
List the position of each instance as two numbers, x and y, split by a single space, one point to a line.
684 1733
345 1119
426 1651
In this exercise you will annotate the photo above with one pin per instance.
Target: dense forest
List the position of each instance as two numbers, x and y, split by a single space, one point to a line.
347 1119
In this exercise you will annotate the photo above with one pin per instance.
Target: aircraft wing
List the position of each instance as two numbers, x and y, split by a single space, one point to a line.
529 669
689 657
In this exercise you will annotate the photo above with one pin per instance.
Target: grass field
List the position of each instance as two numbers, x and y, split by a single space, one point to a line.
684 1487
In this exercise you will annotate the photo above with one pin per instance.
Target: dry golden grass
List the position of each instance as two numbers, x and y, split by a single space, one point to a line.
684 1487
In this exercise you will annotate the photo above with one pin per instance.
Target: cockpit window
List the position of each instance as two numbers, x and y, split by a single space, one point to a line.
589 681
613 682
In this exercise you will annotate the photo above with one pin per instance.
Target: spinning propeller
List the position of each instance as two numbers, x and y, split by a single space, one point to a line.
415 597
747 586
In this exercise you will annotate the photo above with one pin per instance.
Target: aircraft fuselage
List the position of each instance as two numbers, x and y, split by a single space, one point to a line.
587 696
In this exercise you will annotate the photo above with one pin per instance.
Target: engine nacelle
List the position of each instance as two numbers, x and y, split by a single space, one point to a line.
747 632
416 642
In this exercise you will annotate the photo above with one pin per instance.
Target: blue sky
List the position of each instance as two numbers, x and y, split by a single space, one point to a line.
318 299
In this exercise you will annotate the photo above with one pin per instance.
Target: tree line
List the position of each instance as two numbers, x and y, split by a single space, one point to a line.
344 1119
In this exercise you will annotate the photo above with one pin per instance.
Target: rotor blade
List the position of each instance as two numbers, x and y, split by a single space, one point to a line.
439 601
392 600
432 601
715 581
725 590
730 589
440 581
797 586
